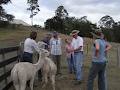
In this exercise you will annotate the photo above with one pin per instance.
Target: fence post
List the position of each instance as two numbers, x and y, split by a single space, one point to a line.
87 49
4 68
118 56
21 47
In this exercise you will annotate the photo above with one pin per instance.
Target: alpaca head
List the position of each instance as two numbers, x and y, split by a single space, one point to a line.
44 53
41 44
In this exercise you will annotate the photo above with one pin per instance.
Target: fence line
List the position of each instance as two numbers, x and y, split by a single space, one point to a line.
4 63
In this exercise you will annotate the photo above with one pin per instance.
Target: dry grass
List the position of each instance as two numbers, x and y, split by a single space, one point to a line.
65 82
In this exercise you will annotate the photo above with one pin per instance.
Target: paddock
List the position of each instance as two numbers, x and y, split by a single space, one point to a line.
10 55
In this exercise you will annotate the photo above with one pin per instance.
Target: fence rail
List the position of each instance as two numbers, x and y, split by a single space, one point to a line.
6 62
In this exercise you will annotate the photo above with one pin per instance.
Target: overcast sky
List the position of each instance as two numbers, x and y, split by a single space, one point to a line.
93 9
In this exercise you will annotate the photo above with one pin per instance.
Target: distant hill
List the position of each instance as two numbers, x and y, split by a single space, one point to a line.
17 21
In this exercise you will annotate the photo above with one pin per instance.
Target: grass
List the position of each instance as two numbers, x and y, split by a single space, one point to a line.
65 82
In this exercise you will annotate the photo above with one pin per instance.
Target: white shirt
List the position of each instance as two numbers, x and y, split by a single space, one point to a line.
55 45
76 43
30 46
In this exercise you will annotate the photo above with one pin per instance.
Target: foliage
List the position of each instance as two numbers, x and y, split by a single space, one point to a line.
106 22
61 22
61 12
33 8
3 15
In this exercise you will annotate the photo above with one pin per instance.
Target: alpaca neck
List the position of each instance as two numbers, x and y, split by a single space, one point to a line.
40 63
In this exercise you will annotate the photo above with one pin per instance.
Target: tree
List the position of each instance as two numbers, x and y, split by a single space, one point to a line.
61 12
3 15
4 1
33 8
106 22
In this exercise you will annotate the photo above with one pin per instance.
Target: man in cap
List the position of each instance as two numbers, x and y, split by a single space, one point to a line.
56 51
77 43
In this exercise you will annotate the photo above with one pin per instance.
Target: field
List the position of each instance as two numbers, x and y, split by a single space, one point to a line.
66 81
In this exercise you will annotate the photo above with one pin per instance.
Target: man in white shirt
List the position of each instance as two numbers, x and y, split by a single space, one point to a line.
77 43
30 46
56 51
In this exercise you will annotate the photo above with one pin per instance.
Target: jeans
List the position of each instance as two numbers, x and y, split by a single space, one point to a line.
78 61
71 65
27 57
97 69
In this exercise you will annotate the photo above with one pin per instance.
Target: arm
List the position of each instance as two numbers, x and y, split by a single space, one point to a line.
50 44
97 47
69 50
35 46
108 47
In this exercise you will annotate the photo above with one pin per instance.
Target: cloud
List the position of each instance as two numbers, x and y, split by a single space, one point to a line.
94 9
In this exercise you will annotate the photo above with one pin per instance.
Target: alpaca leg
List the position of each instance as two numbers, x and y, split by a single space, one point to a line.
31 83
17 87
53 81
23 85
46 80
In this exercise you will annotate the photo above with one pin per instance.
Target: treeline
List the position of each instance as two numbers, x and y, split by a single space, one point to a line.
62 23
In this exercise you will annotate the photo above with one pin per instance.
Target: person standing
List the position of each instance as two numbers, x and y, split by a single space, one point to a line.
56 51
77 44
47 41
99 60
30 46
70 54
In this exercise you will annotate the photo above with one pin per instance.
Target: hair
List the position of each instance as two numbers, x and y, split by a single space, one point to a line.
33 35
66 40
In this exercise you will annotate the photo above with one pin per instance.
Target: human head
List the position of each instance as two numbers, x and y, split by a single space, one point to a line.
55 34
67 41
33 35
49 35
98 34
74 33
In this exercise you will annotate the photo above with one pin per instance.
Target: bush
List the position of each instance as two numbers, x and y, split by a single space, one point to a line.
4 24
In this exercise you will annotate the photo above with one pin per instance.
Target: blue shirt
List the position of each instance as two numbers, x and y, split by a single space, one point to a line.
102 54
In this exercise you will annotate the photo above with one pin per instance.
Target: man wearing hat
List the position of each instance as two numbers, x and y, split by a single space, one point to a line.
99 59
77 43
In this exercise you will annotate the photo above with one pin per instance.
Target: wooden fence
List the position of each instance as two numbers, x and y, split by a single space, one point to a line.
4 62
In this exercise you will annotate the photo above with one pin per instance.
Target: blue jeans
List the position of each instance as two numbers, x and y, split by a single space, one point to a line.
97 69
71 65
27 57
78 60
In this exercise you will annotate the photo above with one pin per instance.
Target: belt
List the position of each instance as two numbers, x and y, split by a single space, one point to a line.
79 52
28 53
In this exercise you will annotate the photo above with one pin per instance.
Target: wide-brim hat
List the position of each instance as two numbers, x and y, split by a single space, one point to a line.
74 32
97 34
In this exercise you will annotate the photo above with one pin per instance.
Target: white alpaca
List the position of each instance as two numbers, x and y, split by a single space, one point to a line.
49 70
24 71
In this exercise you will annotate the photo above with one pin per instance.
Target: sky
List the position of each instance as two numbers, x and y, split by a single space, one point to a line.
93 9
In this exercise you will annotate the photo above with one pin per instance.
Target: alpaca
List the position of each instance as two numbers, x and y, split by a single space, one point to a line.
49 69
25 71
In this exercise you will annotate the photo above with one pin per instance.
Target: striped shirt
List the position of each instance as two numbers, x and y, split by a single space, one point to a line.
55 45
